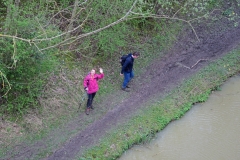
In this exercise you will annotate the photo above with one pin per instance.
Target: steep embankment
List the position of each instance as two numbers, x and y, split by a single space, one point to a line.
185 58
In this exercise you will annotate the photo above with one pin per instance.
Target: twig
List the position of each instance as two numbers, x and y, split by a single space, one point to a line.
10 36
199 61
177 12
182 65
204 15
165 17
192 65
41 27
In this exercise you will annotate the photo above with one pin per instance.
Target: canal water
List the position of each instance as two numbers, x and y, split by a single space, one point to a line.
209 131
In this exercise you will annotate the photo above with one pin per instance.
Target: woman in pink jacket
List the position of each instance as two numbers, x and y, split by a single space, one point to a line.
90 84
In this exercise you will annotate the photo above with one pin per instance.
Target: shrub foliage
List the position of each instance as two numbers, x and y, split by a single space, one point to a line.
37 35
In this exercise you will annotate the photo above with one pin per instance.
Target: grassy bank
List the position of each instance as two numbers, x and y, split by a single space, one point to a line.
63 93
173 106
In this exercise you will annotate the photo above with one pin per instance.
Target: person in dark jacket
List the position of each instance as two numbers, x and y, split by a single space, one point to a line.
90 84
127 70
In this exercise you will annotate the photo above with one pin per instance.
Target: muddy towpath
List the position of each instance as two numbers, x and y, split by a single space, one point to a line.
185 58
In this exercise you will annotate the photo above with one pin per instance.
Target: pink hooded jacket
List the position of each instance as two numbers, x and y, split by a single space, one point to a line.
92 82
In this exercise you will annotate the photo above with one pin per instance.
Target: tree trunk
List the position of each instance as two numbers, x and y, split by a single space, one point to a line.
11 15
8 16
70 26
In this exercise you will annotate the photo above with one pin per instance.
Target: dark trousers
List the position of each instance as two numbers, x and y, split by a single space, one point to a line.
90 99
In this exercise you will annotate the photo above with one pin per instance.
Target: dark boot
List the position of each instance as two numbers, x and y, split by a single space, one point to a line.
87 111
125 89
92 107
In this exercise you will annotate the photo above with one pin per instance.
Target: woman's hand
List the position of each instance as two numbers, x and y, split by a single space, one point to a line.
100 70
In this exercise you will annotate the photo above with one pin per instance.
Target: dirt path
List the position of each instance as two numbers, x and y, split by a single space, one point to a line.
184 59
187 57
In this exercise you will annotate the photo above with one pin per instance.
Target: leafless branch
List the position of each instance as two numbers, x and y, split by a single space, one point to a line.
180 64
10 36
4 78
165 17
198 62
177 12
72 39
41 27
140 15
205 15
95 31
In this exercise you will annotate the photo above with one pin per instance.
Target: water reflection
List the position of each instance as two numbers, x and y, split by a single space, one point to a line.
209 131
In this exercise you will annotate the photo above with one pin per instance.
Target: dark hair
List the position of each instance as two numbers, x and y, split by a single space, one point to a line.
136 54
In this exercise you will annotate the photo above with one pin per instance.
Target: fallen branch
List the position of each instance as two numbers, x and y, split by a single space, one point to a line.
192 65
4 79
198 62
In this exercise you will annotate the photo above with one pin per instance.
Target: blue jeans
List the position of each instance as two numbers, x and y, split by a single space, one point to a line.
127 77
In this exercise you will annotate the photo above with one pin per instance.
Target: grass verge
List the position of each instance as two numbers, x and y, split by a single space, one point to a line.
143 126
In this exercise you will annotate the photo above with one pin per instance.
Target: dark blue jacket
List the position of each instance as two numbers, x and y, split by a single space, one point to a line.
128 64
